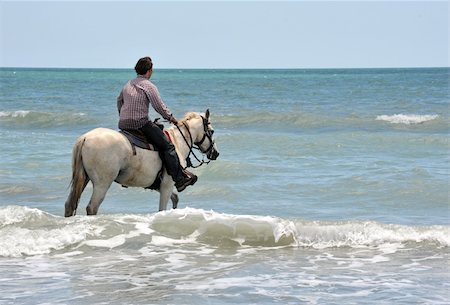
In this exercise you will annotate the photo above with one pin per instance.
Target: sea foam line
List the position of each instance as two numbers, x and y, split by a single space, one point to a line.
14 114
407 119
43 119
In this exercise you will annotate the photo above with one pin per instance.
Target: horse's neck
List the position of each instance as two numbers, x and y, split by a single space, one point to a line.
181 146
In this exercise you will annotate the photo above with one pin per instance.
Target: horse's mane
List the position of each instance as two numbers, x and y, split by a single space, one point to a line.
188 116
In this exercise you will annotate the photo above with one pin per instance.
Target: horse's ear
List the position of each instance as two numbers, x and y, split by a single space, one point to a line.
207 113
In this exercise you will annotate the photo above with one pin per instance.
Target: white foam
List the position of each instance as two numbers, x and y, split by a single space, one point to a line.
252 230
165 241
15 214
14 114
44 119
70 254
407 118
229 282
26 231
107 243
143 228
16 242
355 234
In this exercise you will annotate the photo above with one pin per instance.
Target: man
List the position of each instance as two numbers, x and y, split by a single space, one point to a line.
133 105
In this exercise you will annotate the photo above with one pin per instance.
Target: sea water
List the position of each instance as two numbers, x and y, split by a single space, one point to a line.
332 187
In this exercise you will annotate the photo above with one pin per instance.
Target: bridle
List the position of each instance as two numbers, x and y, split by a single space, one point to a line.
207 134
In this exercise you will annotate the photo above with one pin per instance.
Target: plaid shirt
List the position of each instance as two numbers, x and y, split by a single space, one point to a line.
134 100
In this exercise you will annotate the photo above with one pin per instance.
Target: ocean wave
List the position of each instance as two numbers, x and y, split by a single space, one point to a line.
43 119
15 189
28 231
258 118
268 231
407 119
303 120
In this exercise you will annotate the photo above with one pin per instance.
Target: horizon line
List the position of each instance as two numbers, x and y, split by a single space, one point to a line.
234 68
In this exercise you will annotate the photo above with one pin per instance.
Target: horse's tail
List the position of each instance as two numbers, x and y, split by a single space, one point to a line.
79 179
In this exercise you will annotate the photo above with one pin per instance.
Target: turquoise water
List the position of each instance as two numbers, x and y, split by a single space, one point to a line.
331 187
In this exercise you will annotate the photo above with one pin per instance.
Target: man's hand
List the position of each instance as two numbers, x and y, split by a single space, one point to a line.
173 120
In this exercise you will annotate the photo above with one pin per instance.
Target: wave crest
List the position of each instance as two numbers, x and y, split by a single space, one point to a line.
407 119
43 119
26 231
268 231
303 120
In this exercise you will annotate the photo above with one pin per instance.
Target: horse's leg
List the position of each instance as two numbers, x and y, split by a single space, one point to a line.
165 191
102 167
174 198
98 194
164 198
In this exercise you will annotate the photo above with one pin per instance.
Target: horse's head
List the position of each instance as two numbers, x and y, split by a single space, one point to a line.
207 142
203 134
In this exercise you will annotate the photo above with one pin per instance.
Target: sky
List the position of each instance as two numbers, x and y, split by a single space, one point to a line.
225 34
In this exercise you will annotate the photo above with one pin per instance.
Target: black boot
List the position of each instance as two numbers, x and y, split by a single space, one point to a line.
188 179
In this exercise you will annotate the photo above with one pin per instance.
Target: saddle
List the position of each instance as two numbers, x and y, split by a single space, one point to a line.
137 138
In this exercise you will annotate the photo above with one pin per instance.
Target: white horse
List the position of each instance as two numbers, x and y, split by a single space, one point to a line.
104 155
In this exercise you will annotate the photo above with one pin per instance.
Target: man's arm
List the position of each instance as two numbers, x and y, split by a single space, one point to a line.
158 104
120 101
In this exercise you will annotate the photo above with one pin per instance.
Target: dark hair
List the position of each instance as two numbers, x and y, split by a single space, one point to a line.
143 65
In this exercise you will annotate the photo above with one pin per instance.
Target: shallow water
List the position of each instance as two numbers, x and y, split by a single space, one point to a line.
194 256
331 187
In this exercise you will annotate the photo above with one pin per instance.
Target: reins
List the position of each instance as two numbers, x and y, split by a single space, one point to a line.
192 146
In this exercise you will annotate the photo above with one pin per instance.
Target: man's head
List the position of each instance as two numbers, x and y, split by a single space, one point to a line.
143 65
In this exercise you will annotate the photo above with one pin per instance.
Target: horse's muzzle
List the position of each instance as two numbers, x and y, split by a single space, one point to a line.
213 154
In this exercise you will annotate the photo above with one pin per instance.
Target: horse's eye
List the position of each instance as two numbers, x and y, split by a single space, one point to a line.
211 131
